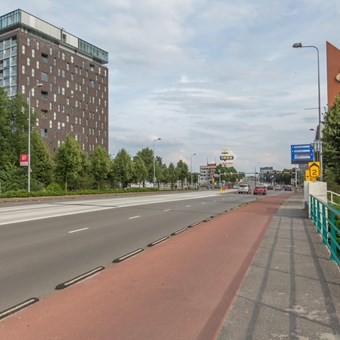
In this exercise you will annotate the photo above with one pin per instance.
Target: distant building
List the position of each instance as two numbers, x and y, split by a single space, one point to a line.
73 98
333 72
207 173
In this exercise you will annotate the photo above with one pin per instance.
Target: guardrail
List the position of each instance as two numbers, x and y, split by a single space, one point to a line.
326 218
334 198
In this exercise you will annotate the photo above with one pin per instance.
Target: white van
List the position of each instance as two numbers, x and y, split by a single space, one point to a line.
244 189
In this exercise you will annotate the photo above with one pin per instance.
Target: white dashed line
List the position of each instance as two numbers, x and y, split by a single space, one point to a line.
166 210
75 231
188 206
133 217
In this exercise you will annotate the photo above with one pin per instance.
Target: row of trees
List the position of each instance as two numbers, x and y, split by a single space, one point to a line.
70 168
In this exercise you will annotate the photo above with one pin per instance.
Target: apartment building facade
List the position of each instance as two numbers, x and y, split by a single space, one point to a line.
64 77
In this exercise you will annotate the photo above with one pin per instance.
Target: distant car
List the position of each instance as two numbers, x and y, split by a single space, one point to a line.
244 189
288 188
270 187
278 187
260 190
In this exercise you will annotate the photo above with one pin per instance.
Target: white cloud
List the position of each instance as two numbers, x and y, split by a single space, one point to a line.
206 74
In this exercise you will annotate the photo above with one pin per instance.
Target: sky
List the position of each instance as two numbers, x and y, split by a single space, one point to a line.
206 75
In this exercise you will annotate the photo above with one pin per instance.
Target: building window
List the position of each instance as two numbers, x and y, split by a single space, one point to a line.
38 45
28 61
28 42
72 59
51 124
33 53
33 72
23 69
43 76
23 49
91 83
23 89
38 64
44 58
44 95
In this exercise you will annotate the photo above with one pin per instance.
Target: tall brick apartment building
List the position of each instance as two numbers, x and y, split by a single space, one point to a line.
333 72
72 92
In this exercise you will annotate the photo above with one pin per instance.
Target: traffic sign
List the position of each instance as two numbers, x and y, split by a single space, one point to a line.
23 160
314 169
301 153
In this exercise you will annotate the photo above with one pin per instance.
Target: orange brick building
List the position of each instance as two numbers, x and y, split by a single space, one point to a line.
333 72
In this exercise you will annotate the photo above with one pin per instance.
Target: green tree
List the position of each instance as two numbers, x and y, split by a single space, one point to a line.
69 160
41 162
172 175
122 169
147 156
331 146
100 165
140 172
182 172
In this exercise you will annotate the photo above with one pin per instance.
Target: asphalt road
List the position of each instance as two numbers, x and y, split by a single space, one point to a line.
45 244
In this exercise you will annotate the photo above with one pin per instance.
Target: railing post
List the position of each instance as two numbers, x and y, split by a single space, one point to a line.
318 218
333 237
324 229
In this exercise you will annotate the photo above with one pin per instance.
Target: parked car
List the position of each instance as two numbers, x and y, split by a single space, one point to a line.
278 187
270 187
260 190
244 189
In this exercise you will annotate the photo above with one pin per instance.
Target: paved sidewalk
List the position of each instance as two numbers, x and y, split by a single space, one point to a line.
291 290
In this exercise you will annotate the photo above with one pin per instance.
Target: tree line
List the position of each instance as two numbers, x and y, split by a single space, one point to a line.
70 168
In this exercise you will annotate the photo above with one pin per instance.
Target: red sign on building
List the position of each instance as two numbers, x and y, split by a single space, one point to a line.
23 160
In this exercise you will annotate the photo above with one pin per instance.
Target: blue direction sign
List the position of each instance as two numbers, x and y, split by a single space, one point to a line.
301 153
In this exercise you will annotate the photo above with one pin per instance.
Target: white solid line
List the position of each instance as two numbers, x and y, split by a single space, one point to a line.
133 217
75 231
166 210
188 206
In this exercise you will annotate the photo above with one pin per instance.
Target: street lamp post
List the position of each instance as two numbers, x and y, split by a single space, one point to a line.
154 161
299 45
191 168
29 138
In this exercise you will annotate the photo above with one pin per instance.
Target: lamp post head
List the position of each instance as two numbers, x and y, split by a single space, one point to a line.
297 45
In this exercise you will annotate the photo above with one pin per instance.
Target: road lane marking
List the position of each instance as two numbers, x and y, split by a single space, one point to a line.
166 210
188 206
204 203
122 258
17 307
133 217
79 278
77 230
158 241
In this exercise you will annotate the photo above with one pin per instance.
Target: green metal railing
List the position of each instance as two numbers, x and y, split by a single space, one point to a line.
326 218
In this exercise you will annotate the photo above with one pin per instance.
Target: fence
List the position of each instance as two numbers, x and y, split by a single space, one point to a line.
326 218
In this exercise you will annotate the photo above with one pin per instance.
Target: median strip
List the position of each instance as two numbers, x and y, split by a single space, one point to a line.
79 278
158 241
17 307
122 258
